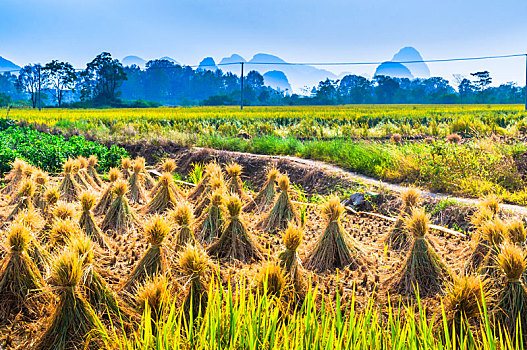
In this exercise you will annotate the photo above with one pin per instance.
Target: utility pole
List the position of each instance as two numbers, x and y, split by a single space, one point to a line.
39 87
241 92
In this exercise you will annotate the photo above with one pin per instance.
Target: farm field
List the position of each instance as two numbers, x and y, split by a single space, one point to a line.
394 143
202 249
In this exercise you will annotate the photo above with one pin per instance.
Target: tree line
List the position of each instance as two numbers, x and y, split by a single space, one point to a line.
106 82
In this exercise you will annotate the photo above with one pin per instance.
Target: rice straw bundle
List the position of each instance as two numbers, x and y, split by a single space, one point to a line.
195 265
511 311
92 172
41 180
234 182
87 221
72 318
399 238
288 258
98 294
69 188
126 164
265 198
107 197
14 177
25 199
20 280
165 198
154 261
183 217
235 242
136 194
283 211
334 249
119 218
422 269
214 218
212 170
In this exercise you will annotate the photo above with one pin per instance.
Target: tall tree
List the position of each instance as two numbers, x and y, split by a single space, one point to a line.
30 80
102 78
59 77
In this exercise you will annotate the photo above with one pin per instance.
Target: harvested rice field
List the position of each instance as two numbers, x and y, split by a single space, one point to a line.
207 250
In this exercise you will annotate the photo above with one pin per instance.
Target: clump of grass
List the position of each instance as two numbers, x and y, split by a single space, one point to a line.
283 211
214 218
512 299
235 242
154 261
195 265
14 177
288 258
212 170
87 221
126 164
119 218
72 319
41 180
334 249
92 172
98 294
234 181
422 270
399 238
25 198
516 232
265 198
165 198
136 194
20 280
463 302
69 188
183 217
454 138
107 197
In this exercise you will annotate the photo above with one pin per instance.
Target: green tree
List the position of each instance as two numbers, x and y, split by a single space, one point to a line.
30 80
59 77
102 78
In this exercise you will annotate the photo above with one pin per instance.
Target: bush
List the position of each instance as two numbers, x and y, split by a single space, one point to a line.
49 152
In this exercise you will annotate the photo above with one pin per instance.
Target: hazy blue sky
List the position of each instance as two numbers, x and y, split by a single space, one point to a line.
306 30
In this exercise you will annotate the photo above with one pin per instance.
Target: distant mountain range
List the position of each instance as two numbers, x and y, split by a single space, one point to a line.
6 65
394 68
138 61
279 74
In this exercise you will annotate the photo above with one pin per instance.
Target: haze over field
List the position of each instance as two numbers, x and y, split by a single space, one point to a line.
293 31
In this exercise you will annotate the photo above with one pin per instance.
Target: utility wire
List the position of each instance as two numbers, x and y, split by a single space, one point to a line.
331 63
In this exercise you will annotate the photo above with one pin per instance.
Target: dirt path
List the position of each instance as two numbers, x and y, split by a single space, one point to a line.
370 180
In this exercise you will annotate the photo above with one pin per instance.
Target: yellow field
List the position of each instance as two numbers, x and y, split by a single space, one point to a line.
350 112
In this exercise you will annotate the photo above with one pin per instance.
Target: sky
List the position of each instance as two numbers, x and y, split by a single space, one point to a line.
295 30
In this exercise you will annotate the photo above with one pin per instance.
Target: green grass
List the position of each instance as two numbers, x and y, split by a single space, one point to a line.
241 319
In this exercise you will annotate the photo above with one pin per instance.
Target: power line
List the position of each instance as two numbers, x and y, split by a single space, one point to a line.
457 59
